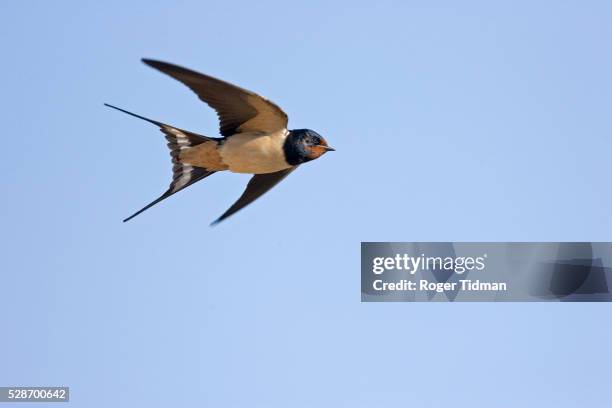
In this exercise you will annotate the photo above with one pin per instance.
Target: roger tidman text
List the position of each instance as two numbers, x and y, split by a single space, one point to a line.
412 264
422 284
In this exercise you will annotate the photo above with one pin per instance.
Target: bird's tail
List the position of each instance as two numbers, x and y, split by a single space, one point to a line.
184 174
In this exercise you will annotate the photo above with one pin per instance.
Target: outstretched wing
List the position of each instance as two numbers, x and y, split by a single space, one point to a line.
239 110
258 185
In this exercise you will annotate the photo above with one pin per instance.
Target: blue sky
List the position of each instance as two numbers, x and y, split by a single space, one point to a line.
475 121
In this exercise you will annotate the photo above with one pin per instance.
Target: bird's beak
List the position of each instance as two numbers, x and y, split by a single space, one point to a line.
329 149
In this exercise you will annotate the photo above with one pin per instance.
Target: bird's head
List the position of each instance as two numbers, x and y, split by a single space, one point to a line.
303 145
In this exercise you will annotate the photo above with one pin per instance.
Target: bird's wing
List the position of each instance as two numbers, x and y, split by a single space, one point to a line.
239 110
258 185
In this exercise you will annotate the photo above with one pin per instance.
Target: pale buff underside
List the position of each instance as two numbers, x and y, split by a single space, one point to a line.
204 155
253 153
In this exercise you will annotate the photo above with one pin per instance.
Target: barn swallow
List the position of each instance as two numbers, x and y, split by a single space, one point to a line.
255 139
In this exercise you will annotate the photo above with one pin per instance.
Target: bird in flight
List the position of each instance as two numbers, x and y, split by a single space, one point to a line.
255 139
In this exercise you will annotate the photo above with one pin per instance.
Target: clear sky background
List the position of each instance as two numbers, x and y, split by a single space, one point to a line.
471 120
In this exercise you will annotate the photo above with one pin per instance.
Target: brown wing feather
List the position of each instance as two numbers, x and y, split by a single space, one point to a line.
258 186
239 110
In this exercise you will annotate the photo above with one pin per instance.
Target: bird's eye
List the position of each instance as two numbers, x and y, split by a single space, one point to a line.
315 141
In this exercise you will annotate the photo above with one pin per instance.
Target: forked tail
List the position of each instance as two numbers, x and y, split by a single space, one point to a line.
184 174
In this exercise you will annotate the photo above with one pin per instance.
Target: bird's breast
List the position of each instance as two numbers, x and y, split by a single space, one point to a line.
255 152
